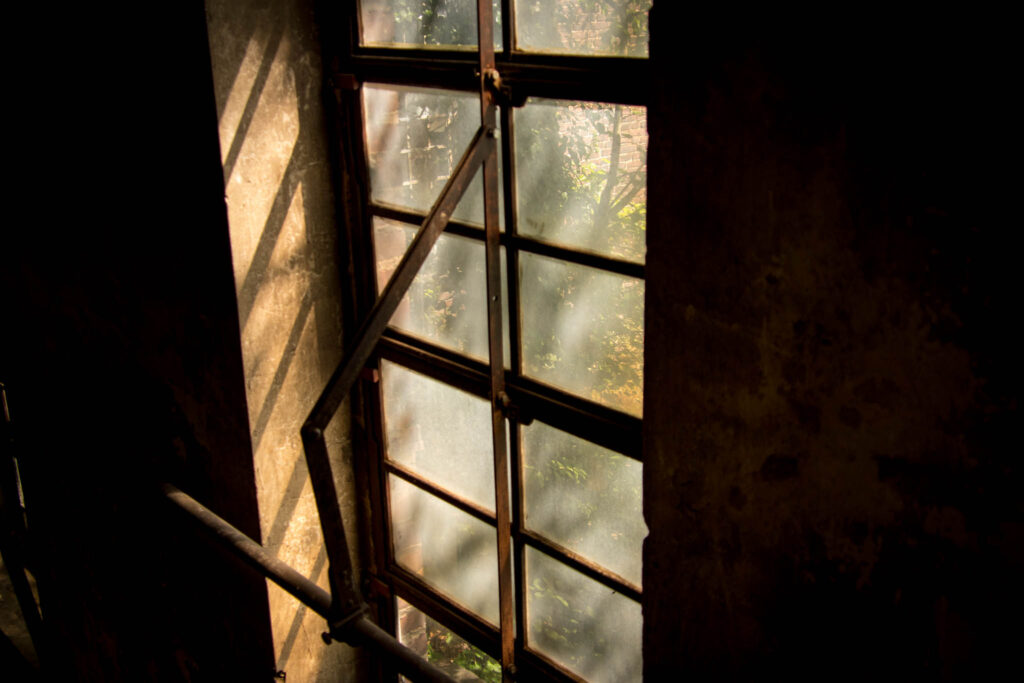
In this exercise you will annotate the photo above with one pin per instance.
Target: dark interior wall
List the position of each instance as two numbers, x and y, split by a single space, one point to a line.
832 479
121 355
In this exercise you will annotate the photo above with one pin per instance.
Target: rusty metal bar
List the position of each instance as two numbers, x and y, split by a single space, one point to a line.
354 628
533 245
340 383
254 555
321 478
591 421
366 338
455 500
592 570
490 84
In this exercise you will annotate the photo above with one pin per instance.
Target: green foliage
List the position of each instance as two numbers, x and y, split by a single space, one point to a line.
446 649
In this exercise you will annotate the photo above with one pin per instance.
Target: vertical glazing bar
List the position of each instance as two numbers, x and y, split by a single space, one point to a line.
511 229
489 80
507 22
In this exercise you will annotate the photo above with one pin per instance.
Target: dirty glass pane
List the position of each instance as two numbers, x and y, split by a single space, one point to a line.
414 139
584 497
451 551
583 330
449 24
581 624
443 647
439 432
447 302
584 27
582 175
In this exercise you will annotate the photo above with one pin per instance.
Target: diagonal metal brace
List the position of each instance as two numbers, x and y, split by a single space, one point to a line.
346 598
371 330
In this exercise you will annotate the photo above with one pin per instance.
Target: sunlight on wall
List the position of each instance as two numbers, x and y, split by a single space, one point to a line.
280 213
266 151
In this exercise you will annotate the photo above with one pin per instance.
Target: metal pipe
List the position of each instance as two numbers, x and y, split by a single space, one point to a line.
252 553
358 631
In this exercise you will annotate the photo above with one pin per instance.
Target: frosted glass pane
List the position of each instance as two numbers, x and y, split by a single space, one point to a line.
414 139
447 302
453 552
610 27
581 624
585 498
443 647
439 432
424 23
583 330
582 175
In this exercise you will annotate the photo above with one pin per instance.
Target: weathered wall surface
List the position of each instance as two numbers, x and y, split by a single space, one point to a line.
268 81
832 476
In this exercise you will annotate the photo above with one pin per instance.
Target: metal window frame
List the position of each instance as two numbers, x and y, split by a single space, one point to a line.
522 75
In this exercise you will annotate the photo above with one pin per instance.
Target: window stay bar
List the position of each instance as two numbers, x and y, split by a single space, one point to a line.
343 587
346 602
490 86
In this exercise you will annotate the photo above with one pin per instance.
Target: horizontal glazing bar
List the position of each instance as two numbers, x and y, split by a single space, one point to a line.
536 661
584 258
581 564
441 607
414 218
453 499
599 79
369 333
588 420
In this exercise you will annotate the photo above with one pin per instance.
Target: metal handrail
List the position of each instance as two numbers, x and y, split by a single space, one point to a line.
354 629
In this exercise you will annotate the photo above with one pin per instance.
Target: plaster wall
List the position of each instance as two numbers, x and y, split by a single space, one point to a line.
268 81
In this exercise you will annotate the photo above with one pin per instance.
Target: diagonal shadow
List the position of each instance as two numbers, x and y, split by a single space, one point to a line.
252 104
300 614
290 349
289 501
290 181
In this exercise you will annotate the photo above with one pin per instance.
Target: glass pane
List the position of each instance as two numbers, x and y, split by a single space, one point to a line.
581 624
414 139
424 23
585 27
447 302
439 432
585 498
443 648
583 330
582 175
453 552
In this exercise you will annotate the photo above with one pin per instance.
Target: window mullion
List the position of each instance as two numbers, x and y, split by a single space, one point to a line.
488 117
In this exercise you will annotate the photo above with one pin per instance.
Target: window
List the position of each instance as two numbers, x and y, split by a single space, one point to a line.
570 197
